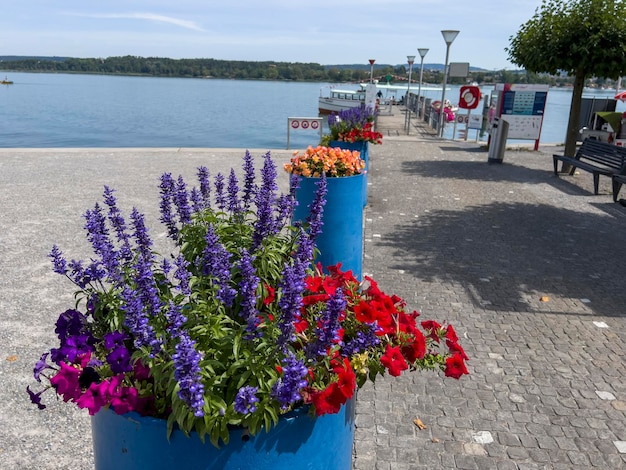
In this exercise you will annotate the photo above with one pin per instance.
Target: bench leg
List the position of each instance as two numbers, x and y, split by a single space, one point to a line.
616 188
596 183
556 166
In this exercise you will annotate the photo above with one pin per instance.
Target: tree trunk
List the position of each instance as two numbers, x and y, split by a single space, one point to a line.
574 117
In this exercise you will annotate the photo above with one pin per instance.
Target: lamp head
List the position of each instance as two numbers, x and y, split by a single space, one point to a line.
449 35
422 52
410 58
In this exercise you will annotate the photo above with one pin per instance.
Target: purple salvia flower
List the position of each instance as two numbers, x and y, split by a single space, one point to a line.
118 223
364 340
234 204
286 204
77 273
216 263
136 320
181 200
205 186
247 289
292 286
196 200
315 216
94 272
287 389
147 286
186 363
168 190
246 399
98 236
265 199
166 266
58 261
144 243
249 187
327 330
182 274
220 197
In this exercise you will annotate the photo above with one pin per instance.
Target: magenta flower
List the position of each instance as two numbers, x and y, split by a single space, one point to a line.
94 398
66 382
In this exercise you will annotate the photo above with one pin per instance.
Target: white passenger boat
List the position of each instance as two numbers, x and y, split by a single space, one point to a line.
333 100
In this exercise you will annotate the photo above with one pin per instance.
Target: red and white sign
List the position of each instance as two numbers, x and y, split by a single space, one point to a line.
470 97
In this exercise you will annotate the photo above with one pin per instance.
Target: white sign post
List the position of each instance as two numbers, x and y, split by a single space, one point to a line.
305 124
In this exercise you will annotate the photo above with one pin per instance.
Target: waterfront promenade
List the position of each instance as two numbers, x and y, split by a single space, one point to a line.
527 267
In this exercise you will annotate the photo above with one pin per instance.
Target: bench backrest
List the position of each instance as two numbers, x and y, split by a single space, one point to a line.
603 153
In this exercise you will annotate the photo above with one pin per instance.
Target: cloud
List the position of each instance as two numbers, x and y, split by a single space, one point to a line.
144 16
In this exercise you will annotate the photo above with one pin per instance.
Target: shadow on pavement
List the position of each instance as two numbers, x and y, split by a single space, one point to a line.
510 255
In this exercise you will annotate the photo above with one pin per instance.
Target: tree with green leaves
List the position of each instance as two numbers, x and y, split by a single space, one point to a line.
582 38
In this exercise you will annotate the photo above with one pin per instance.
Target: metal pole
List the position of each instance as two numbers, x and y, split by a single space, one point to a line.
448 37
372 70
407 121
420 112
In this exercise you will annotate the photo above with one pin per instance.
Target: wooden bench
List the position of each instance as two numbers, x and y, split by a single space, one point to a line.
598 158
618 181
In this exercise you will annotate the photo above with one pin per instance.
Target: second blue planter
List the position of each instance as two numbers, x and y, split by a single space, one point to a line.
341 240
363 149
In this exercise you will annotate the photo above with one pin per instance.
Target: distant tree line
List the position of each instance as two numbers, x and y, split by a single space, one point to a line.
243 70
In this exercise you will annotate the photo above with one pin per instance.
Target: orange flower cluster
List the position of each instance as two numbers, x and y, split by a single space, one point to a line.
330 161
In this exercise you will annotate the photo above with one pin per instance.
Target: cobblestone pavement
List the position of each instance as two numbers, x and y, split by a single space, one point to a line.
529 268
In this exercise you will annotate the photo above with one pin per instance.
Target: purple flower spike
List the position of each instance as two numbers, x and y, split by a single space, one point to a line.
249 188
168 190
246 399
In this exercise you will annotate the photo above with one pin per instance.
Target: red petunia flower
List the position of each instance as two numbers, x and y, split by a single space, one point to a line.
346 382
365 313
432 328
393 360
455 347
455 366
328 401
451 334
417 349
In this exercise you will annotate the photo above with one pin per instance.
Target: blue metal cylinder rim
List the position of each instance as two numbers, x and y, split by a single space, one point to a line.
363 148
299 441
341 240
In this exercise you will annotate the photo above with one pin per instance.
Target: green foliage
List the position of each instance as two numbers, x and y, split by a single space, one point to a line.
582 38
577 37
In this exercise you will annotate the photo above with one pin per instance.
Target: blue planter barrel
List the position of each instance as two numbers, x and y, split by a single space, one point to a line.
363 149
299 441
341 240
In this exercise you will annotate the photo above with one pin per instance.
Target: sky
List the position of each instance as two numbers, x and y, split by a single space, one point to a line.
327 32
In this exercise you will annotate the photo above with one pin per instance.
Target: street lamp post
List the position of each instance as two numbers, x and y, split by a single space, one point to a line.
372 70
407 121
422 52
448 36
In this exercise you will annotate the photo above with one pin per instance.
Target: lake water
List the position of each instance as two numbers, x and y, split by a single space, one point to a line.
63 110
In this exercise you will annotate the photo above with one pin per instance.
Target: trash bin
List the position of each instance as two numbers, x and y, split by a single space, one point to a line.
499 133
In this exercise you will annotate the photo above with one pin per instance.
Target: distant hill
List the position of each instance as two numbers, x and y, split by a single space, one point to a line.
365 67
